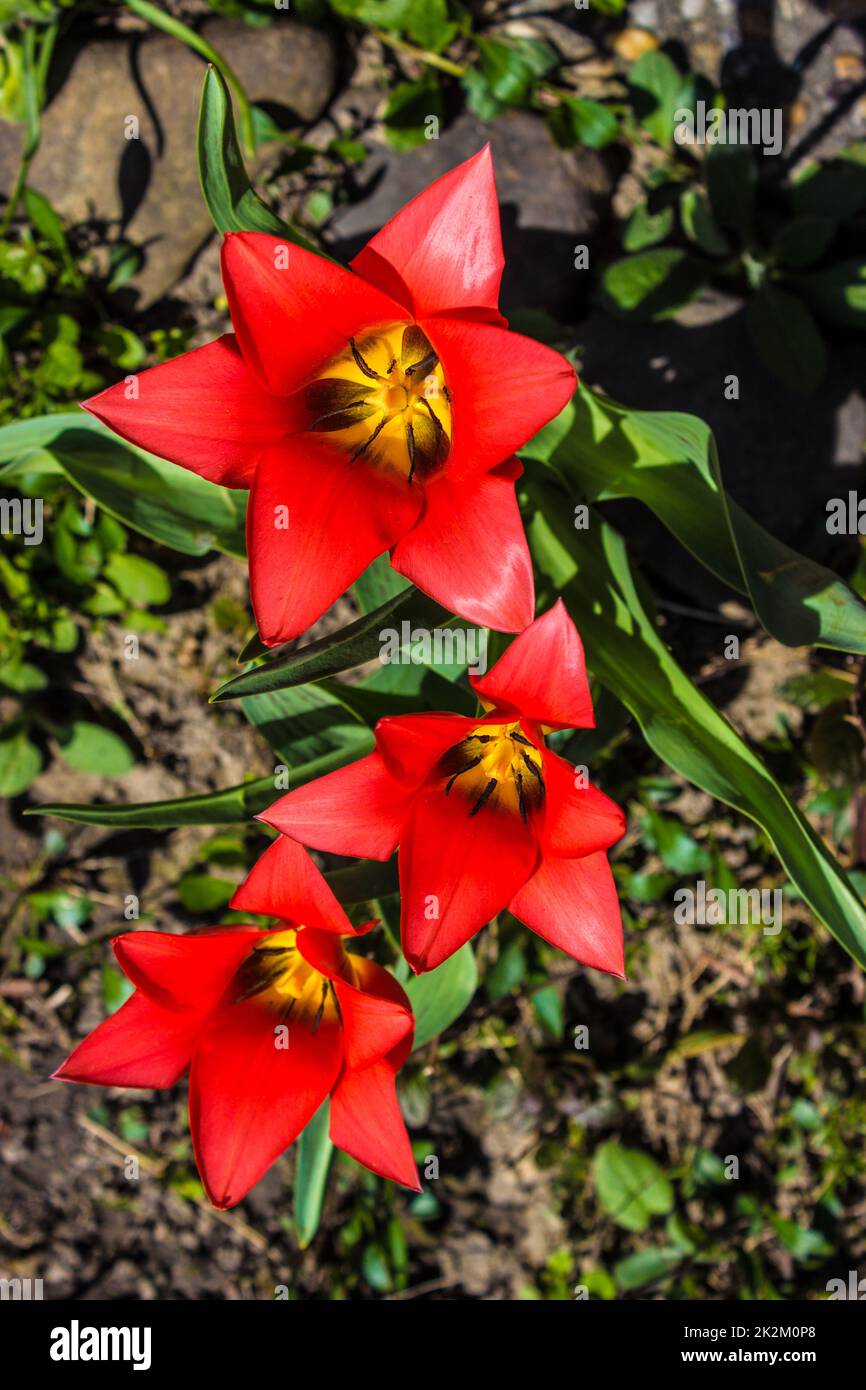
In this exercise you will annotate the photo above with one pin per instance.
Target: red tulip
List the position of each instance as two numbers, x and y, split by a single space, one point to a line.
485 815
365 412
269 1024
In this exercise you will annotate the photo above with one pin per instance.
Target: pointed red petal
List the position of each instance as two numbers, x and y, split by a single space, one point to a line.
204 410
375 1011
456 872
542 675
187 973
357 810
292 310
468 551
412 744
286 883
314 523
578 819
442 253
366 1123
503 388
141 1045
572 903
249 1098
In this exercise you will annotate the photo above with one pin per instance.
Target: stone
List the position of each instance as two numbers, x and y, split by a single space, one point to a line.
551 200
147 187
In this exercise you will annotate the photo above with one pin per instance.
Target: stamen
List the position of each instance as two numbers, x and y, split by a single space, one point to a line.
367 442
519 738
410 444
521 794
362 365
534 769
466 768
484 797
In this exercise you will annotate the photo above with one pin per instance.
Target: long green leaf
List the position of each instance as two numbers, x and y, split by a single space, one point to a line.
314 1154
231 199
340 651
669 461
161 500
591 571
440 996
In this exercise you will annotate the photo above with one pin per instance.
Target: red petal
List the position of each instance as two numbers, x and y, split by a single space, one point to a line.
375 1011
503 388
249 1099
412 744
188 973
572 903
292 310
542 675
463 869
286 883
204 410
469 552
578 820
442 253
366 1123
357 810
141 1045
314 523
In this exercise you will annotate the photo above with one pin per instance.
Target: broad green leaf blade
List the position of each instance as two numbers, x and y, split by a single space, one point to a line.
307 722
591 571
786 337
161 500
231 200
361 641
314 1153
669 461
363 882
631 1186
440 996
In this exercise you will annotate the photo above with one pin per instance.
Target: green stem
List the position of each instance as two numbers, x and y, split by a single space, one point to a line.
177 30
30 73
432 60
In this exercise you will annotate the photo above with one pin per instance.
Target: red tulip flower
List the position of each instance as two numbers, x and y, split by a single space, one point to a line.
268 1024
485 814
368 411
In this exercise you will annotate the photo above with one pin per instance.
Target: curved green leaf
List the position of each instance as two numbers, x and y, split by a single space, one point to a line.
592 572
161 500
669 461
440 996
314 1153
361 641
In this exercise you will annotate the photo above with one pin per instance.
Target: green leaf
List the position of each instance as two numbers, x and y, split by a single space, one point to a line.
22 677
626 653
379 583
307 722
699 224
116 988
836 189
731 179
651 284
440 996
645 228
511 69
90 748
314 1153
20 760
631 1186
408 109
786 337
642 1268
659 90
577 121
204 892
137 579
803 240
161 500
231 200
669 462
340 651
838 294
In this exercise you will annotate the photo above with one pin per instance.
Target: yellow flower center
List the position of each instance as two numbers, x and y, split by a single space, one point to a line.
277 975
496 766
385 400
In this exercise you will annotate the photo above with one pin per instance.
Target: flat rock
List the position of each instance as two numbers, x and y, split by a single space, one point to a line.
148 187
551 200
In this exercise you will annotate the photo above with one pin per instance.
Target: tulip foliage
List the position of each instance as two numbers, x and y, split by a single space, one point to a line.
382 430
